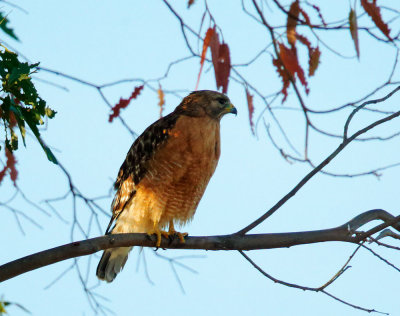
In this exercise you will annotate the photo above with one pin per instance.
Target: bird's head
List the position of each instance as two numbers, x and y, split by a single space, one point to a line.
206 102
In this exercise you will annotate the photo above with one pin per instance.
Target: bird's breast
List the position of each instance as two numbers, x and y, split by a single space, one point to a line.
178 174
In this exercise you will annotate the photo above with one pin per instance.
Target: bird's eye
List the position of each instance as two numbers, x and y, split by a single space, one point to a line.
221 100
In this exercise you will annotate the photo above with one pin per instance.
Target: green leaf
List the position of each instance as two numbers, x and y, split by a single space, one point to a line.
50 113
15 78
22 130
3 304
14 140
19 73
50 155
3 26
2 307
354 31
5 108
31 123
20 120
21 98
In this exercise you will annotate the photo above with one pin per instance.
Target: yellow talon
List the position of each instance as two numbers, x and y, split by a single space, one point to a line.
164 233
172 231
181 236
158 233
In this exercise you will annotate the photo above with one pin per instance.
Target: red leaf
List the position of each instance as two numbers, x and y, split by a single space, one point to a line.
251 109
224 68
214 46
10 165
206 43
306 17
221 61
292 22
284 75
3 173
313 55
304 40
13 120
375 13
313 62
288 66
161 99
11 162
190 3
123 103
354 30
289 59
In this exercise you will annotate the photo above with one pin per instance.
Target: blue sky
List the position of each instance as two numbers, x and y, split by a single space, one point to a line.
104 41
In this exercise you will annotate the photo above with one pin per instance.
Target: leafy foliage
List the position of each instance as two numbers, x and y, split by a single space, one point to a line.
20 104
220 58
123 103
287 62
5 28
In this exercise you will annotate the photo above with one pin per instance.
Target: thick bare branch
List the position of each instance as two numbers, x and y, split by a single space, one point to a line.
343 233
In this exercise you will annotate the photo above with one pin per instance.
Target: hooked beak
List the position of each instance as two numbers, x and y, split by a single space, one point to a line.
231 109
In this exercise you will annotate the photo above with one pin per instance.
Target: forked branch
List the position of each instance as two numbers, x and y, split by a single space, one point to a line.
346 141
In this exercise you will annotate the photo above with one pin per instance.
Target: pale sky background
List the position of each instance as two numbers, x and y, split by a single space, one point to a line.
103 41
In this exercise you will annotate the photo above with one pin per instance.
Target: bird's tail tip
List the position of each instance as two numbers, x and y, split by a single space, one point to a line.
111 263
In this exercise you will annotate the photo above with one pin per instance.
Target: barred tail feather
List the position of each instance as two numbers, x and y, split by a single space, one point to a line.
111 263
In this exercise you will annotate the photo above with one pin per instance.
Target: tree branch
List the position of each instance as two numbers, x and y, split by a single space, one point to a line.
346 141
313 289
343 233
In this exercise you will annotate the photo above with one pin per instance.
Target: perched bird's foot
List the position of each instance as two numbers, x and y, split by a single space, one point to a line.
173 233
181 236
158 233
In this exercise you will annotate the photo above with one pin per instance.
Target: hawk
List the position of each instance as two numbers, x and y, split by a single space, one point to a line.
165 174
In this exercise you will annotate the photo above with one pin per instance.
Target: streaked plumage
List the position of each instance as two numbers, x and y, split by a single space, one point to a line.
165 173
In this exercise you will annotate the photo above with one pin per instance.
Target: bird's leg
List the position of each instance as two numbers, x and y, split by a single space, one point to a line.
172 231
156 231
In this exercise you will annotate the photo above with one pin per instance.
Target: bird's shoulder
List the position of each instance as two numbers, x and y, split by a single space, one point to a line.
144 147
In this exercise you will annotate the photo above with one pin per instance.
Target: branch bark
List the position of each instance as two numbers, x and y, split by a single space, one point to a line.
344 233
